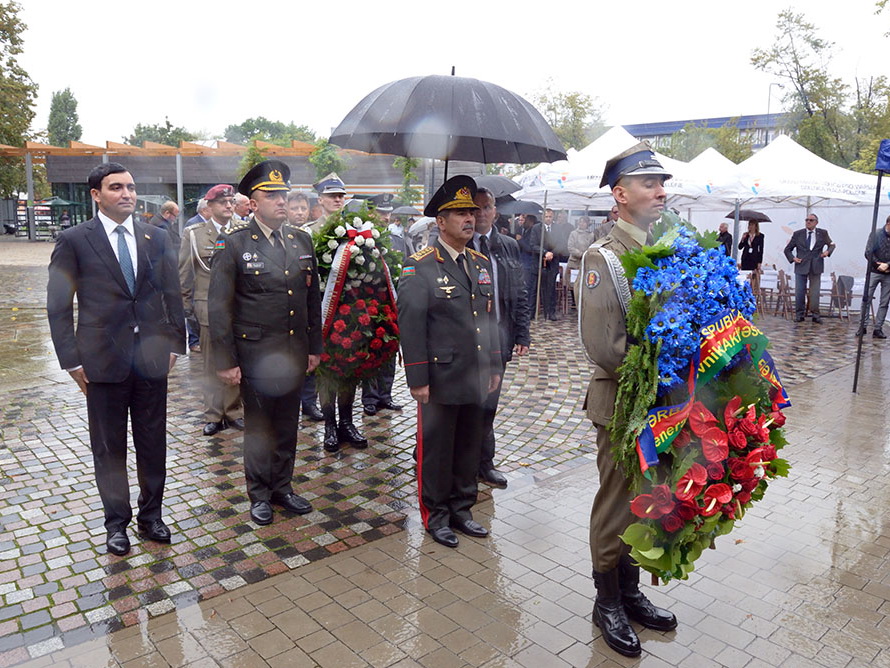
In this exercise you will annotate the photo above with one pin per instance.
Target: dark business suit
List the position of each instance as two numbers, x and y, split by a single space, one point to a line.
549 269
127 370
265 317
513 323
810 268
451 345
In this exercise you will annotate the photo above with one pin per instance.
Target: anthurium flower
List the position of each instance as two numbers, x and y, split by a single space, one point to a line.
664 498
769 453
778 418
644 506
701 419
692 482
715 496
715 444
729 413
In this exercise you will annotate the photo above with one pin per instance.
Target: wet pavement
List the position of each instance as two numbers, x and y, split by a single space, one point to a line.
804 580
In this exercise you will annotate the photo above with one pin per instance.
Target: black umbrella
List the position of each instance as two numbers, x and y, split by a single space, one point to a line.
750 215
406 211
497 184
449 118
520 206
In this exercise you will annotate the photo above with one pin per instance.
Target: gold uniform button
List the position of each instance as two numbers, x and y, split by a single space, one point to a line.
435 359
475 314
291 332
257 273
286 272
244 336
473 296
478 347
291 312
478 331
290 292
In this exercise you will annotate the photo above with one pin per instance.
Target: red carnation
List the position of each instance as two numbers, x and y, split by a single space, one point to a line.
373 303
372 311
692 482
714 444
336 339
380 332
716 471
364 320
356 336
360 303
369 290
339 325
672 523
376 344
344 309
325 357
395 328
346 343
701 419
715 497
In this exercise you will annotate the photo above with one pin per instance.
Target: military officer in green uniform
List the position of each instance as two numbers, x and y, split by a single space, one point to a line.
637 182
222 402
452 360
265 324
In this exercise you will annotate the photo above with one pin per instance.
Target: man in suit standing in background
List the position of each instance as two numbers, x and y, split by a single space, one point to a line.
130 327
511 314
807 250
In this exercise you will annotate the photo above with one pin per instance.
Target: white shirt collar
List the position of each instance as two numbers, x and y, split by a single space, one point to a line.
110 226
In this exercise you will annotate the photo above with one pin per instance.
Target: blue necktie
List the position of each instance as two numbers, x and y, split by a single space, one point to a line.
123 256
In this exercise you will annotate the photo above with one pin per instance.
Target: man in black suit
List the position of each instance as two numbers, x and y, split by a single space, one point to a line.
167 218
265 327
452 360
130 327
547 265
807 250
511 313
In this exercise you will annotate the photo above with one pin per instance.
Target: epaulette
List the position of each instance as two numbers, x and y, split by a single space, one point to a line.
192 226
297 228
477 254
426 252
237 227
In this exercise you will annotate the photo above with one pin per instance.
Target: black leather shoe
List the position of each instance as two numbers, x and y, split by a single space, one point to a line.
156 531
212 428
347 432
293 503
470 528
118 543
879 334
444 536
493 477
862 331
261 512
389 405
610 617
237 423
799 319
370 409
312 412
817 319
331 440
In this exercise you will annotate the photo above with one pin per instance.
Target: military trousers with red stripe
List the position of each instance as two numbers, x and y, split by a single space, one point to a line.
449 440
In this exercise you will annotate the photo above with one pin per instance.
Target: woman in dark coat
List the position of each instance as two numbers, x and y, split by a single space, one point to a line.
751 246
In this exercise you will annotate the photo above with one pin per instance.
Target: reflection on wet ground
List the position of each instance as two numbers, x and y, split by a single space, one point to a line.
804 580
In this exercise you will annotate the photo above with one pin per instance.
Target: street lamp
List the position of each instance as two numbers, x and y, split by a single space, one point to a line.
769 99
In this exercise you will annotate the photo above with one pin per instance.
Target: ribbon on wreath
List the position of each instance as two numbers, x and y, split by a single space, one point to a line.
720 340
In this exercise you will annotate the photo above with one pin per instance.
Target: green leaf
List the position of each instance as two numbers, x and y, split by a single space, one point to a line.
654 554
780 467
639 535
777 438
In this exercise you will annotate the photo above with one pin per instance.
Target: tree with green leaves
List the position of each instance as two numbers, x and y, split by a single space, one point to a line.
692 139
326 158
17 94
407 194
274 132
251 159
63 124
576 118
165 133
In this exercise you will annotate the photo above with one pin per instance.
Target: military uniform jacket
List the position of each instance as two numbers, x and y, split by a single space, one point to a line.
195 252
601 321
265 317
448 325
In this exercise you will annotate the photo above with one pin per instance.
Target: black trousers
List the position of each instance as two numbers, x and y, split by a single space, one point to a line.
448 443
144 400
489 410
271 421
379 388
548 289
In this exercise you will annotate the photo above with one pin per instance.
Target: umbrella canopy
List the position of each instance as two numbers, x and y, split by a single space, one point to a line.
405 211
520 206
58 202
497 184
449 118
750 215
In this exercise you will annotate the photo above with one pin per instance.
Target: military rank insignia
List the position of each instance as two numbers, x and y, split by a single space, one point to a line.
592 279
484 277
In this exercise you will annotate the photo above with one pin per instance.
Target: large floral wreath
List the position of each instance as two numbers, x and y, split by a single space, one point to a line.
360 328
697 424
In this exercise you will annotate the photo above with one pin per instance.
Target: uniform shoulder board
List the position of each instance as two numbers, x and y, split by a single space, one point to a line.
474 253
426 252
236 227
191 227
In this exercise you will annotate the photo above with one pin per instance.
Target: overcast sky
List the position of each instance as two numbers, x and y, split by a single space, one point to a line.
207 65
